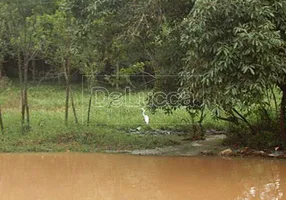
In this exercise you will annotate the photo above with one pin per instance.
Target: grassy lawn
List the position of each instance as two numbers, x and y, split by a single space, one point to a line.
112 119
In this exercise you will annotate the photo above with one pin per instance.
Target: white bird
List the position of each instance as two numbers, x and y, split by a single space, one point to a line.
146 118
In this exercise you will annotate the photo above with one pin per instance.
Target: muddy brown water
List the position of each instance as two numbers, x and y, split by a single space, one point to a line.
71 176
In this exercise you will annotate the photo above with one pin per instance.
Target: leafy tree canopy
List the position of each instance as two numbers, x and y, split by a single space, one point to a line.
235 50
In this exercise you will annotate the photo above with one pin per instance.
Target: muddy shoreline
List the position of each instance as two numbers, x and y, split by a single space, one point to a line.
211 146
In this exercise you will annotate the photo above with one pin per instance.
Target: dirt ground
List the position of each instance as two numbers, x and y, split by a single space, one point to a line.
211 145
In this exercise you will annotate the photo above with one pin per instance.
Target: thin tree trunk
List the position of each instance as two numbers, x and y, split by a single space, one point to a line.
67 75
20 68
24 79
34 70
27 108
194 125
21 86
1 121
67 71
253 130
67 104
73 108
1 70
275 102
117 76
282 113
202 117
89 109
144 80
23 110
1 66
25 91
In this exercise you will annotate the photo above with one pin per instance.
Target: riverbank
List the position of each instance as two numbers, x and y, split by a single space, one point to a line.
134 144
115 122
115 125
212 145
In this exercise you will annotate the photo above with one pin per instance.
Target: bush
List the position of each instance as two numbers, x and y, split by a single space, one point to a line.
264 140
4 83
239 136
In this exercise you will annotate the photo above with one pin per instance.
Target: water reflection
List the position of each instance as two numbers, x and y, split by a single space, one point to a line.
99 176
268 191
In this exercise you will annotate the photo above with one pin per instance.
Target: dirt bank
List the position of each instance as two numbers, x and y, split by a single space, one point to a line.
211 145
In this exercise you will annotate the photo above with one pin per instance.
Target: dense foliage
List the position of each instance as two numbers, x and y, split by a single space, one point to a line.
235 54
224 55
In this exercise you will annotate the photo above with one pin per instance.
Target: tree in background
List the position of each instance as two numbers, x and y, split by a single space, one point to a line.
3 36
228 56
129 32
59 34
20 18
20 27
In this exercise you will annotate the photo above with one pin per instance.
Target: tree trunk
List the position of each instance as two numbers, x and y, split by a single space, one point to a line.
1 121
27 108
1 66
67 104
242 118
89 109
117 76
282 112
73 108
25 90
275 102
21 86
34 70
67 75
144 79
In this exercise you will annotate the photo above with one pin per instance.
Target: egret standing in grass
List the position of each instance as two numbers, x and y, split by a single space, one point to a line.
146 117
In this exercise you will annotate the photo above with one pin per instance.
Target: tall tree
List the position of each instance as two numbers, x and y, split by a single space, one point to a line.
60 49
235 53
21 26
145 31
20 18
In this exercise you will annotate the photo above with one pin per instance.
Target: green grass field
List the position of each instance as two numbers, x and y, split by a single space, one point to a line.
109 128
114 117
